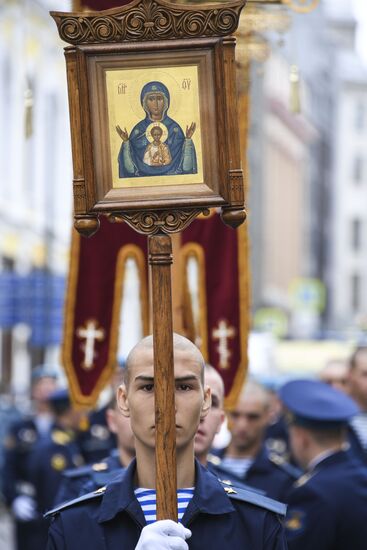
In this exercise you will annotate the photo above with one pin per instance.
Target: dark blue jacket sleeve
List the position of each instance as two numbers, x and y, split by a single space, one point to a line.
309 522
55 539
275 538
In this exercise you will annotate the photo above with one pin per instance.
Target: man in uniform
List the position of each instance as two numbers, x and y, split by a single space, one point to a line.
53 454
96 440
23 436
327 505
210 426
246 458
123 516
78 481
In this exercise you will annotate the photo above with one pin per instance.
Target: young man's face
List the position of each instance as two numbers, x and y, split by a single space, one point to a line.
192 401
210 425
247 423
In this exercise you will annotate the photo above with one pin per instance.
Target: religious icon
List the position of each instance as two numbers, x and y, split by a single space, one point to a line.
157 145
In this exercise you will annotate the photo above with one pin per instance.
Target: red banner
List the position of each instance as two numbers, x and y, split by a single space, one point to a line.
93 303
215 280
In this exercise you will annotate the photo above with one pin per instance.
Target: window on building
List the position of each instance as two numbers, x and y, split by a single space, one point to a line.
355 292
358 168
356 234
360 116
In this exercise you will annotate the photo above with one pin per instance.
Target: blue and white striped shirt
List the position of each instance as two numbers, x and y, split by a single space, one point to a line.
148 501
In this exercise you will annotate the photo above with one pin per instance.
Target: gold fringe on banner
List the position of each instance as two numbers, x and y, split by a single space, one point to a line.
199 327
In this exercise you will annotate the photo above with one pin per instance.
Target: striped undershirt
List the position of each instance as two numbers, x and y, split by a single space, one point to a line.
148 502
236 466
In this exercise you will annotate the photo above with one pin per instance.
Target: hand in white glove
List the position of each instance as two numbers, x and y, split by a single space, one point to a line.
164 535
24 508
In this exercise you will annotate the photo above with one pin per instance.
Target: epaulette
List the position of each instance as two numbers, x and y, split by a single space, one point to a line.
86 470
255 498
284 465
240 485
89 496
276 445
303 479
73 473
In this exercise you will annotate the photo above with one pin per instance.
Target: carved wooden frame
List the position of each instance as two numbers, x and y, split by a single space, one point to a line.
150 33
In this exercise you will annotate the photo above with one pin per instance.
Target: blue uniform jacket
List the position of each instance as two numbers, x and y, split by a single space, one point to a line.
327 508
79 481
114 519
97 441
269 472
49 459
19 443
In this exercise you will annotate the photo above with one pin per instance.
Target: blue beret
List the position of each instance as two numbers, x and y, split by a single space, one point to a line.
316 404
43 371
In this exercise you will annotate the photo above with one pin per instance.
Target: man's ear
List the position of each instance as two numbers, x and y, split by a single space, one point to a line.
122 401
207 403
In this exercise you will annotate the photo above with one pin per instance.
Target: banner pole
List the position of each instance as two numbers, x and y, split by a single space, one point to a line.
160 260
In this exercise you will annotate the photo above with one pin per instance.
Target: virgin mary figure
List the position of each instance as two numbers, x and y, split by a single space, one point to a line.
155 100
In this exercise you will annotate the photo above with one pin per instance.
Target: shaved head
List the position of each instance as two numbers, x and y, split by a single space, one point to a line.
145 347
255 392
212 376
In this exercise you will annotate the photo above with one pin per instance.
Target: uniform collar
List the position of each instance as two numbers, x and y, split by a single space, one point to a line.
117 500
209 496
113 460
326 459
260 462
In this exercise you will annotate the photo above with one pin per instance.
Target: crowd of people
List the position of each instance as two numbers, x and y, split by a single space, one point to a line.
293 474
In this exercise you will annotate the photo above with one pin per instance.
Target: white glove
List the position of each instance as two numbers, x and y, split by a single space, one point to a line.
24 508
164 535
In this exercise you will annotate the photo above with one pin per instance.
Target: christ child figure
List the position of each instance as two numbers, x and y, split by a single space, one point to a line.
157 153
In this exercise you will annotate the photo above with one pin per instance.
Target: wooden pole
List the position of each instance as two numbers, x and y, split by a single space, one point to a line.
160 260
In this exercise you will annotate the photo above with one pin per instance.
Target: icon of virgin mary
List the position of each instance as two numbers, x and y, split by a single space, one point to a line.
179 149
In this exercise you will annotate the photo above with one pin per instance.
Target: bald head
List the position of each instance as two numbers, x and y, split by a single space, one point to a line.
252 391
214 380
144 349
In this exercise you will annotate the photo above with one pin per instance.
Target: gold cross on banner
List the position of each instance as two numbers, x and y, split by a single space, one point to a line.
91 333
223 333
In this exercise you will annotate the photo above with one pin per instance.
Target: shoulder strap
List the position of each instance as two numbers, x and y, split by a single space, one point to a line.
255 498
284 465
77 472
89 496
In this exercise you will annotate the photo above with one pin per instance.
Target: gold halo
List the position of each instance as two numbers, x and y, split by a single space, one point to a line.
153 125
160 76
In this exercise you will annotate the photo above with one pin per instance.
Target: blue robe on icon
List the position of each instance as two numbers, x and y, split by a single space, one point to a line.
182 150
